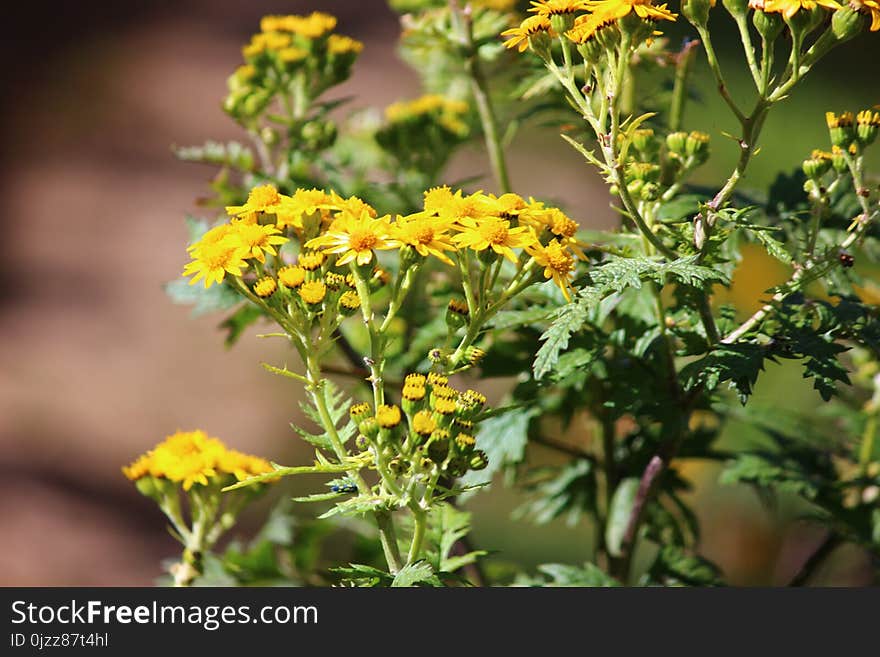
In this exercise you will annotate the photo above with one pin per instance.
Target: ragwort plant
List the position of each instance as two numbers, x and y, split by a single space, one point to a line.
342 232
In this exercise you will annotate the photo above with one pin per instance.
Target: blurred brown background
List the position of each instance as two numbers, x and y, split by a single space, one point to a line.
96 364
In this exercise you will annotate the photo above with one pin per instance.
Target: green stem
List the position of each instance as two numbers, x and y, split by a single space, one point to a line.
480 92
746 39
419 526
716 71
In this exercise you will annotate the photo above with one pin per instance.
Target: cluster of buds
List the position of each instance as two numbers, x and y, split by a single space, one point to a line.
292 60
654 164
848 130
422 133
430 436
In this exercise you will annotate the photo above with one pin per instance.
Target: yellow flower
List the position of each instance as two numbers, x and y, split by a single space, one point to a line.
355 237
212 262
437 379
412 392
557 262
587 27
352 205
446 205
554 220
341 45
313 292
292 276
192 457
350 300
504 206
214 236
645 9
313 26
292 54
493 233
870 8
426 234
519 36
789 8
423 423
264 198
414 379
304 202
311 261
256 240
388 417
265 287
558 7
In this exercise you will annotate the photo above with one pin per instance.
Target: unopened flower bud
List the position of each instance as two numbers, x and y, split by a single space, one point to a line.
675 142
650 192
697 145
848 22
769 25
697 11
479 460
867 124
817 164
841 128
644 141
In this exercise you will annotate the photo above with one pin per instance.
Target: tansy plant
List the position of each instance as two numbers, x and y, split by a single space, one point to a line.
610 348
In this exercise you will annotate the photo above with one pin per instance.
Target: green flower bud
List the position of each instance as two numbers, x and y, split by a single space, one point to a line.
478 460
645 171
645 142
675 142
438 446
848 23
650 192
635 187
816 165
457 466
867 124
841 128
769 26
697 145
804 21
838 159
457 314
736 8
148 486
562 23
540 43
697 11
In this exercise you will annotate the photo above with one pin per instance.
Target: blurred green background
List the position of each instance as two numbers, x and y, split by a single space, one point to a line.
97 365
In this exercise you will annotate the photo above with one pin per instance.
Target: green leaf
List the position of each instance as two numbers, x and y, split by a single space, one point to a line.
772 471
673 566
587 575
411 574
681 208
337 406
203 300
238 321
619 515
569 491
739 363
503 438
363 576
283 471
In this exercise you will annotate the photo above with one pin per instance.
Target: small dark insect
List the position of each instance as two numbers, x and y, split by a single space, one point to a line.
846 259
343 488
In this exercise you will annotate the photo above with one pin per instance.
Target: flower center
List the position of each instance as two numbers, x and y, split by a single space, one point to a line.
424 234
363 240
496 233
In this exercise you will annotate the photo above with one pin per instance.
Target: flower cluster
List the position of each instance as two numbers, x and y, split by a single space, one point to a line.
301 51
334 232
583 21
189 458
430 435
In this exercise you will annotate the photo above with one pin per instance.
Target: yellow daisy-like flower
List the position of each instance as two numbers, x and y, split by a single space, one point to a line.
212 262
313 292
557 262
870 8
212 237
350 300
256 240
644 9
587 27
558 7
519 36
555 221
352 205
426 234
789 8
355 238
313 26
303 203
311 261
448 205
504 206
264 198
493 233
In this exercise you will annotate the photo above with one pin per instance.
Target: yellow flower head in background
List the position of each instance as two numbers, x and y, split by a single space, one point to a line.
355 237
304 202
519 36
264 198
338 44
192 457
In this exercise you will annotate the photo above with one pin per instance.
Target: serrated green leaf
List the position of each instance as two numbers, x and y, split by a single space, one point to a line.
415 573
587 575
504 439
236 323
